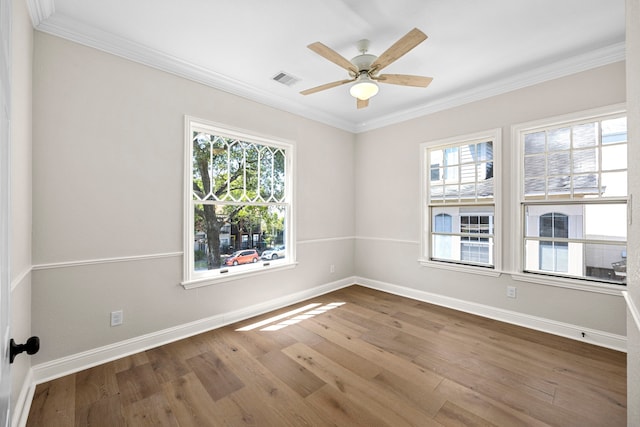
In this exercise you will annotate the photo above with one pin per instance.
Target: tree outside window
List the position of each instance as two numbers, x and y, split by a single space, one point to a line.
240 198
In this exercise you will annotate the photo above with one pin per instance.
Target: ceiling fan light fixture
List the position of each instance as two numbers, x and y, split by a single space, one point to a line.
364 88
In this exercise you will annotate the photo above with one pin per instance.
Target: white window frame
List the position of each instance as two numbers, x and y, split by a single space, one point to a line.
517 224
195 279
494 135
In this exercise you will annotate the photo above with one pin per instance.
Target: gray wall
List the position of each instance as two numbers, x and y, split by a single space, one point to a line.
108 151
388 201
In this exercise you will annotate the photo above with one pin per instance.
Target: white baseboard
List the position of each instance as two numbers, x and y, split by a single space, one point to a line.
592 336
23 402
67 365
77 362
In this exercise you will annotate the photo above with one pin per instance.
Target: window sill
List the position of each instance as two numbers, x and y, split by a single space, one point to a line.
460 268
577 284
231 276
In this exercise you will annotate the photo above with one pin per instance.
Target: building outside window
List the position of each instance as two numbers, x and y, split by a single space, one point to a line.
239 201
573 196
460 200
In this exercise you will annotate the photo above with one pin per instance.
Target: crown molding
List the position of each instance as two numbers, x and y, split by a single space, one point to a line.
70 29
572 65
44 19
40 10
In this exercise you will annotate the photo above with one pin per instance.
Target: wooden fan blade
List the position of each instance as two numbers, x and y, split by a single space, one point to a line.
333 56
325 86
362 103
412 39
404 80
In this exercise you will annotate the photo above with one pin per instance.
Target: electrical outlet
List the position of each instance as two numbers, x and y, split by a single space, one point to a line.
332 268
512 292
116 318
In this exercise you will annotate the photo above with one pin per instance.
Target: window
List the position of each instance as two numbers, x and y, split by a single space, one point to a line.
573 196
459 208
238 205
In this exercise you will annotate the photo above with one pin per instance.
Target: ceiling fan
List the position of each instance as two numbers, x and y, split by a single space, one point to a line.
364 69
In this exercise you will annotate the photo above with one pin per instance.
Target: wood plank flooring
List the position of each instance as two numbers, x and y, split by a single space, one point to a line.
358 357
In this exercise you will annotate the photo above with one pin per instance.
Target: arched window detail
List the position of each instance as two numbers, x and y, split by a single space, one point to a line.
442 223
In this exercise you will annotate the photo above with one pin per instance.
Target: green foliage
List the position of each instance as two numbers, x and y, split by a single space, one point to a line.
232 171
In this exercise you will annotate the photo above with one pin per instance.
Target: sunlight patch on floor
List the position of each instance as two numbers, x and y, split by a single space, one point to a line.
291 317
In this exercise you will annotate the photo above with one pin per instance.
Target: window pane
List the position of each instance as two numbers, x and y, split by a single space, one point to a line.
558 163
586 185
279 176
223 232
585 135
451 174
251 168
607 222
585 160
614 130
558 185
266 174
534 187
485 151
451 156
559 139
534 166
608 262
201 165
614 184
460 206
534 143
442 247
468 173
614 157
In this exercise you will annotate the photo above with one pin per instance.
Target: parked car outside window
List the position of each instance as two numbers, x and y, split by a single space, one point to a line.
242 257
276 253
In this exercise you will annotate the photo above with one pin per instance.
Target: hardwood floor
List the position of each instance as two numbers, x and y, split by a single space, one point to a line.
359 358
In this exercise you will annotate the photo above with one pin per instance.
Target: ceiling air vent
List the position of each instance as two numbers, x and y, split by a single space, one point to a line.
286 79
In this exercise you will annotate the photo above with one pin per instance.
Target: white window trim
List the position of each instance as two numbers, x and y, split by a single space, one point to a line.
516 267
190 278
495 135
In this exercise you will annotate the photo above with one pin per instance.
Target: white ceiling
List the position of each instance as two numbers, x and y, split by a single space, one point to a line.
475 48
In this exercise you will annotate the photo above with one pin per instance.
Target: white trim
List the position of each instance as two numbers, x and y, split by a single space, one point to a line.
576 64
70 29
470 269
228 277
74 363
567 330
40 10
79 263
633 309
62 26
193 124
24 400
20 278
495 135
560 282
517 178
325 240
388 240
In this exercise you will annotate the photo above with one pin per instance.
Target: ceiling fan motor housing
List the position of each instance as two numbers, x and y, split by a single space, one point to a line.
363 62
